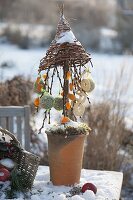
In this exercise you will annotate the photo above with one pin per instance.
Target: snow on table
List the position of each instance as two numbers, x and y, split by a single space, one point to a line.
108 185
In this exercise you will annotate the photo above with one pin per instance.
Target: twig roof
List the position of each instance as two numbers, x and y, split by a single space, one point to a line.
64 48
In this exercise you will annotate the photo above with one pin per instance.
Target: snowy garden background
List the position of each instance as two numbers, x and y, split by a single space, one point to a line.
26 30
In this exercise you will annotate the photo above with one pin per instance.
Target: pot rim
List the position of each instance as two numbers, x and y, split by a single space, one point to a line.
65 135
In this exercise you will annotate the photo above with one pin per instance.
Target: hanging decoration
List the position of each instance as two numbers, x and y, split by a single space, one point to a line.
67 60
58 103
47 101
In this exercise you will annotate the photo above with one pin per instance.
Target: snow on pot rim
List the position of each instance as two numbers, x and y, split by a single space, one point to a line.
70 128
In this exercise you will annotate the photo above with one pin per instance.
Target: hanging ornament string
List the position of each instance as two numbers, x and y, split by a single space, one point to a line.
61 7
45 116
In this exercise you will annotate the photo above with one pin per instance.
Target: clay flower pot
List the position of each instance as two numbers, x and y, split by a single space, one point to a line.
65 158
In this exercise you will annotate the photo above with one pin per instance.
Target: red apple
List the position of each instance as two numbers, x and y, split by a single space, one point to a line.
4 174
89 186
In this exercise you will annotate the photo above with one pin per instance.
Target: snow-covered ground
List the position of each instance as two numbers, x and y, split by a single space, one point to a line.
108 187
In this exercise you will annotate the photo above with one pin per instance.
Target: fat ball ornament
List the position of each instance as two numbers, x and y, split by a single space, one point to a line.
47 101
58 103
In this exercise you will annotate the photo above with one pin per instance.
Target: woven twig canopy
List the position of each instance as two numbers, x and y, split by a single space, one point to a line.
64 48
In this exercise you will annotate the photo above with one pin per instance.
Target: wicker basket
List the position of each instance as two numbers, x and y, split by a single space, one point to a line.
27 163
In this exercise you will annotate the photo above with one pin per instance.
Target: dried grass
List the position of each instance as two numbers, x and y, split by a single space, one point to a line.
105 141
108 145
16 91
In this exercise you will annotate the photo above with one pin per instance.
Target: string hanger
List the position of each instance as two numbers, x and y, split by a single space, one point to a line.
61 7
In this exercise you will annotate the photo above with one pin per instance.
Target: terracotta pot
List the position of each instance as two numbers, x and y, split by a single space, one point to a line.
65 158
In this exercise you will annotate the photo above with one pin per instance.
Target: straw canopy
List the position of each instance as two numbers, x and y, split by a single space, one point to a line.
65 48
